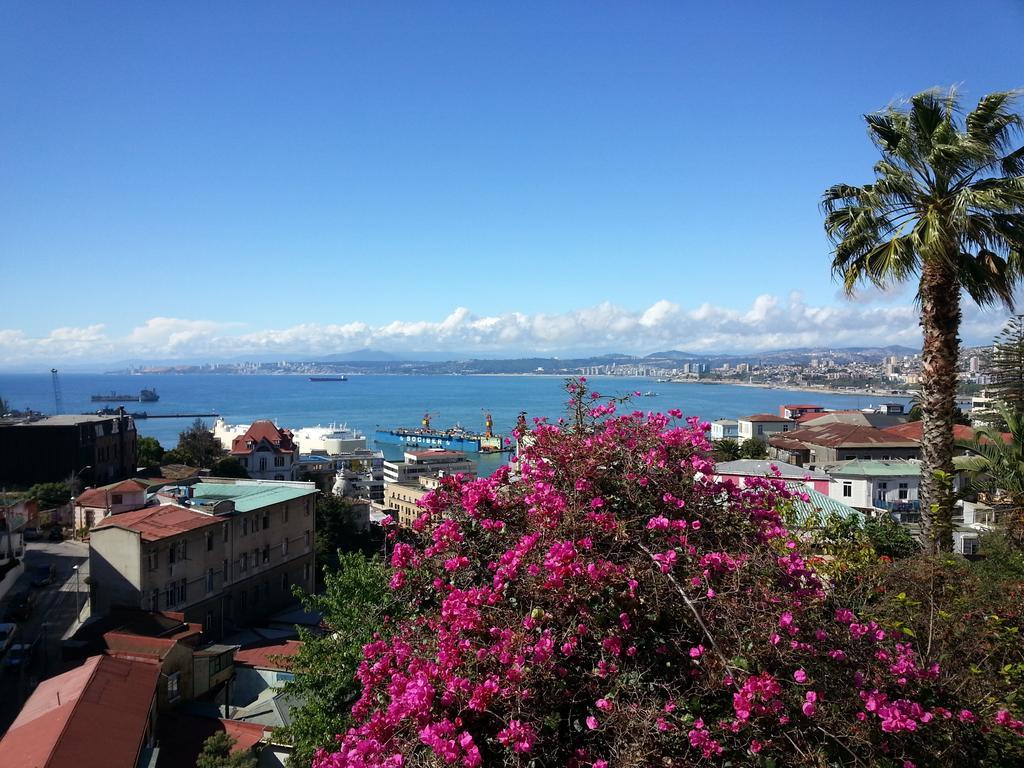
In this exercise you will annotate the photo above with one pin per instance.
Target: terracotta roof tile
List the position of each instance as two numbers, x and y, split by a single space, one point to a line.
155 523
279 439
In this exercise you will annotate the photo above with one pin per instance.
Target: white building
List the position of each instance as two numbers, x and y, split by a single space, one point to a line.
891 485
722 429
431 461
761 426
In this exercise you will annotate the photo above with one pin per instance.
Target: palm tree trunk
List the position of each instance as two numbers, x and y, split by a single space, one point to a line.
940 321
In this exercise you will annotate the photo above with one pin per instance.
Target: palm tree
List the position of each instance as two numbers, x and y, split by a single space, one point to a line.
998 462
947 209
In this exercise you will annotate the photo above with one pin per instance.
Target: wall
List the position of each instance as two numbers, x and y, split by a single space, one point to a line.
114 568
9 580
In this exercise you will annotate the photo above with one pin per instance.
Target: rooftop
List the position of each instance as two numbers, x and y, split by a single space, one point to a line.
835 434
913 430
66 420
155 523
761 468
105 699
248 496
818 507
875 468
766 417
100 497
435 454
271 654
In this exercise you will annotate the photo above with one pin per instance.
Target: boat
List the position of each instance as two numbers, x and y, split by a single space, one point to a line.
650 394
328 378
145 396
456 438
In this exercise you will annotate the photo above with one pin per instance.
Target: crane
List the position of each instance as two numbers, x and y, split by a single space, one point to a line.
58 398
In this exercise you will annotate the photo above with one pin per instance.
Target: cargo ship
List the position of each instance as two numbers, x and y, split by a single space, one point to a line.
145 396
456 438
328 378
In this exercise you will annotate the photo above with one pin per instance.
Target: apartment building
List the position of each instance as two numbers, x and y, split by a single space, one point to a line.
400 498
431 461
223 553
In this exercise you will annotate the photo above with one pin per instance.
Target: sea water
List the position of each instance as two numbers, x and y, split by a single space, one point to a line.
367 402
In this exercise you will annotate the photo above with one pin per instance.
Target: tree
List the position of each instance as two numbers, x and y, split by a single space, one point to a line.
947 209
5 407
725 449
354 602
997 464
150 452
754 448
1007 367
217 754
50 495
607 602
337 531
959 417
197 447
229 466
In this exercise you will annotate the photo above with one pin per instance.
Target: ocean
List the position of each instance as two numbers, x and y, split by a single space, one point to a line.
366 402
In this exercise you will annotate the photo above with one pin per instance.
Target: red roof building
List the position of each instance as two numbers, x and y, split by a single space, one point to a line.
267 452
98 715
817 444
273 654
914 430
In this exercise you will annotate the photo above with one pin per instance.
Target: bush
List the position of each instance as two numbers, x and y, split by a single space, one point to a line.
607 603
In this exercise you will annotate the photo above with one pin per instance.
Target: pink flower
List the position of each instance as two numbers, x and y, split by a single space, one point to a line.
697 651
800 676
592 723
604 705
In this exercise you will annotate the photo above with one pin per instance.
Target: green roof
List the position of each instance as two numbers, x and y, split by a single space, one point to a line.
813 513
249 497
873 468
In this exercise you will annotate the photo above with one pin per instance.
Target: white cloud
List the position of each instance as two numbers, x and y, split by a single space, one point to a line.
771 322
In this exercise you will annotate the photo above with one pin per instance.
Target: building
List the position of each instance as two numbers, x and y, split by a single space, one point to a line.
761 426
427 462
816 444
796 411
224 554
892 486
400 499
744 468
96 449
101 714
94 504
724 429
267 452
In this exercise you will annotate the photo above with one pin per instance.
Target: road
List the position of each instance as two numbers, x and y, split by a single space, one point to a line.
53 617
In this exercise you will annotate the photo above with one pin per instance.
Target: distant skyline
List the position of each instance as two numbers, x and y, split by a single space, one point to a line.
197 181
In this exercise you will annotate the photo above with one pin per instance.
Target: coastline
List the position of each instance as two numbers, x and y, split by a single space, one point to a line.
797 388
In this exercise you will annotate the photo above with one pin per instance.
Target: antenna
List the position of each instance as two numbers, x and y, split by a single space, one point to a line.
58 398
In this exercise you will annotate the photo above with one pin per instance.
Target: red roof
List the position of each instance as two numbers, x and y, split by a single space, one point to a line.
265 655
105 699
155 523
913 430
101 497
280 440
765 417
836 434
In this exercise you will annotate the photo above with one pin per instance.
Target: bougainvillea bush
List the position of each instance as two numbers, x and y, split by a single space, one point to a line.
606 602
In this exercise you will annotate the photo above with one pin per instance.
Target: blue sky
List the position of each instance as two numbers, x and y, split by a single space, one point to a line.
213 178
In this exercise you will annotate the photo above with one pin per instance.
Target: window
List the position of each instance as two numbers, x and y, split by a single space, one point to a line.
305 573
209 581
225 570
243 562
172 554
116 499
256 558
263 463
309 504
209 541
266 519
225 533
904 491
307 540
970 546
245 526
284 514
209 626
154 559
284 547
154 600
847 490
173 683
266 554
883 486
760 429
279 461
171 594
183 591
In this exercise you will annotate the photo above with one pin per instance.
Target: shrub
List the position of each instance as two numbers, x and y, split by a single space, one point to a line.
607 603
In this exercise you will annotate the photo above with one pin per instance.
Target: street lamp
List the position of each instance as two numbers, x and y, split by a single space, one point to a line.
78 598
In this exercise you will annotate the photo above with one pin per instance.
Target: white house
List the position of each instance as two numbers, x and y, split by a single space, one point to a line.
761 426
722 429
891 485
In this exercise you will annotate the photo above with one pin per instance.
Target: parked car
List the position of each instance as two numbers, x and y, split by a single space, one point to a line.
31 534
20 655
43 575
56 534
6 636
19 606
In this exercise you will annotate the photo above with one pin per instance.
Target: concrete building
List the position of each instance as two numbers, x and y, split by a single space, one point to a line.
892 486
223 553
801 409
724 429
267 452
431 461
94 504
95 449
761 426
400 498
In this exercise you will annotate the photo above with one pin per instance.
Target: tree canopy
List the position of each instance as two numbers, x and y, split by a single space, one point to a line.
946 208
197 447
149 452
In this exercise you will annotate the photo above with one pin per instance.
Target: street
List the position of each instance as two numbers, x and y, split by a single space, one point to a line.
52 617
